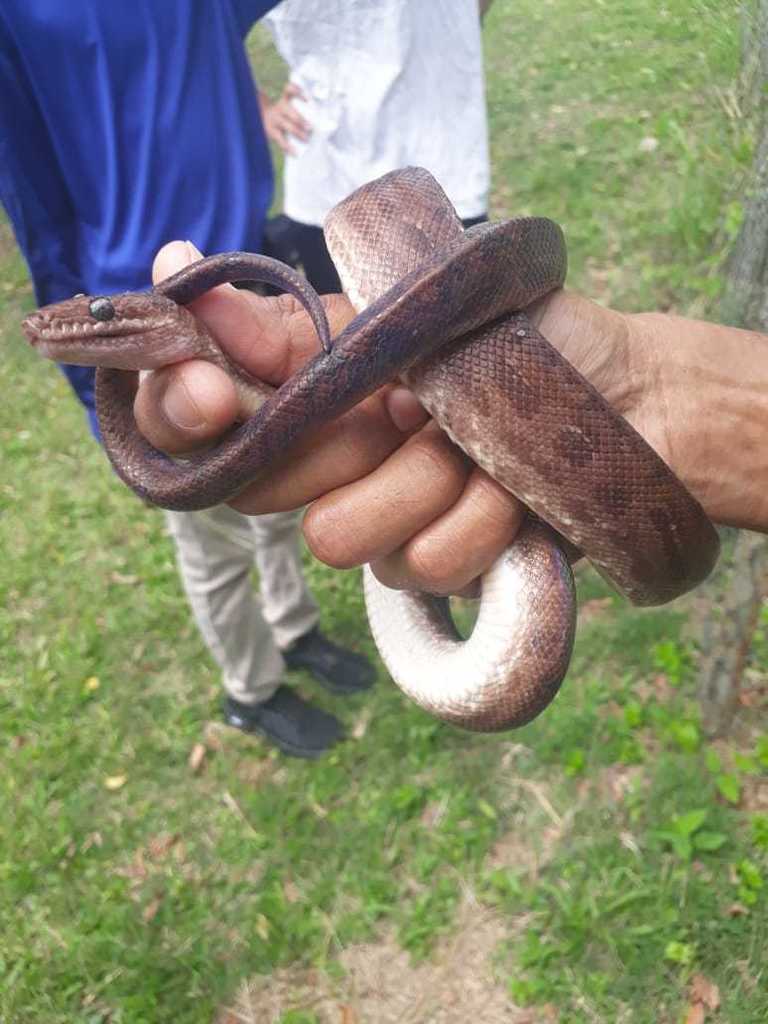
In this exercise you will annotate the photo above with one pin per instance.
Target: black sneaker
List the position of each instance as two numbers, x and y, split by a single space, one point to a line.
340 671
288 722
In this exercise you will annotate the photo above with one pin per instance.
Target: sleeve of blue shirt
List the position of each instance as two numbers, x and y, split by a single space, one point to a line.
123 126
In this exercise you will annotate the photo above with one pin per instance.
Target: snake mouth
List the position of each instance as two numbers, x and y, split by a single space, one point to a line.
53 324
78 339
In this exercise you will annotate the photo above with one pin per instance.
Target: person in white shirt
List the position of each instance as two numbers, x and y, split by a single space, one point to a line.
374 87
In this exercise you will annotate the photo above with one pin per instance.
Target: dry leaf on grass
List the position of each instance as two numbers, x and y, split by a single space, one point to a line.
360 727
291 891
196 757
705 992
135 869
318 809
214 735
695 1015
92 839
158 846
704 996
115 781
629 842
124 579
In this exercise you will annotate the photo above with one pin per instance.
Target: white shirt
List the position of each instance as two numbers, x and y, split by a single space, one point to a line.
388 83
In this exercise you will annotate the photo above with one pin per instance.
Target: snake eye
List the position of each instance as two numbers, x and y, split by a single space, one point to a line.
101 309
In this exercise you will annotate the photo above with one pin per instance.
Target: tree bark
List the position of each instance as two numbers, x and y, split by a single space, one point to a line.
731 601
734 594
754 26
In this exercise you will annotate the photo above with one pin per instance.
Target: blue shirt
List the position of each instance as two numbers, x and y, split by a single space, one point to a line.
123 126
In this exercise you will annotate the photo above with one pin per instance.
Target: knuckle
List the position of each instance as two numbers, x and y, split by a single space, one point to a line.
328 538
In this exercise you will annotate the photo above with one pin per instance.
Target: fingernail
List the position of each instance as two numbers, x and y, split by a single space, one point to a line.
194 252
179 408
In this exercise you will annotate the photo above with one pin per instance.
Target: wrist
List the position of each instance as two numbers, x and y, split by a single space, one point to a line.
705 409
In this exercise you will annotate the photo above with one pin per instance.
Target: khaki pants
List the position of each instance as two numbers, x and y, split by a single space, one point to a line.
216 552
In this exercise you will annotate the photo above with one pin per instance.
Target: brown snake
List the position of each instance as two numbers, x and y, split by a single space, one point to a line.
440 308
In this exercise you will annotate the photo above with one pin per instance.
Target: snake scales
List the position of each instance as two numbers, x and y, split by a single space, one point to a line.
441 308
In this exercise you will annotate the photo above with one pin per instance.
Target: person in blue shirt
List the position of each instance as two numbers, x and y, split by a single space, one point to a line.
123 127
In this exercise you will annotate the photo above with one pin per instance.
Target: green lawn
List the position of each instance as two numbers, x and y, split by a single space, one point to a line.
617 853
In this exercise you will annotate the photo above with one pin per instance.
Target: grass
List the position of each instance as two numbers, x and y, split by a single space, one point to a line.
622 853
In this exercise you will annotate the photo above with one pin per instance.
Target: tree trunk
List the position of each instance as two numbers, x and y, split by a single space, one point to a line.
731 602
734 594
754 29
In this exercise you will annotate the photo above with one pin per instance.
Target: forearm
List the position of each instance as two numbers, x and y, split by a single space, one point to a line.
713 398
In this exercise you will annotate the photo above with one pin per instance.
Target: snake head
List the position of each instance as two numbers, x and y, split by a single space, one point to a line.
131 331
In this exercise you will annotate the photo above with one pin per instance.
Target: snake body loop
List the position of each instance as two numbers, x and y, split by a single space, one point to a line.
440 308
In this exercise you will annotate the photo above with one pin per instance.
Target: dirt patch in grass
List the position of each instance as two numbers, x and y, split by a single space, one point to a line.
382 986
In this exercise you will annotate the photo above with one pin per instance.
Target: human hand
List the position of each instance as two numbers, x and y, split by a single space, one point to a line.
282 119
386 486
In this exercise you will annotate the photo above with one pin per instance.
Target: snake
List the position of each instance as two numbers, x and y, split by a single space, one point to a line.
442 310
